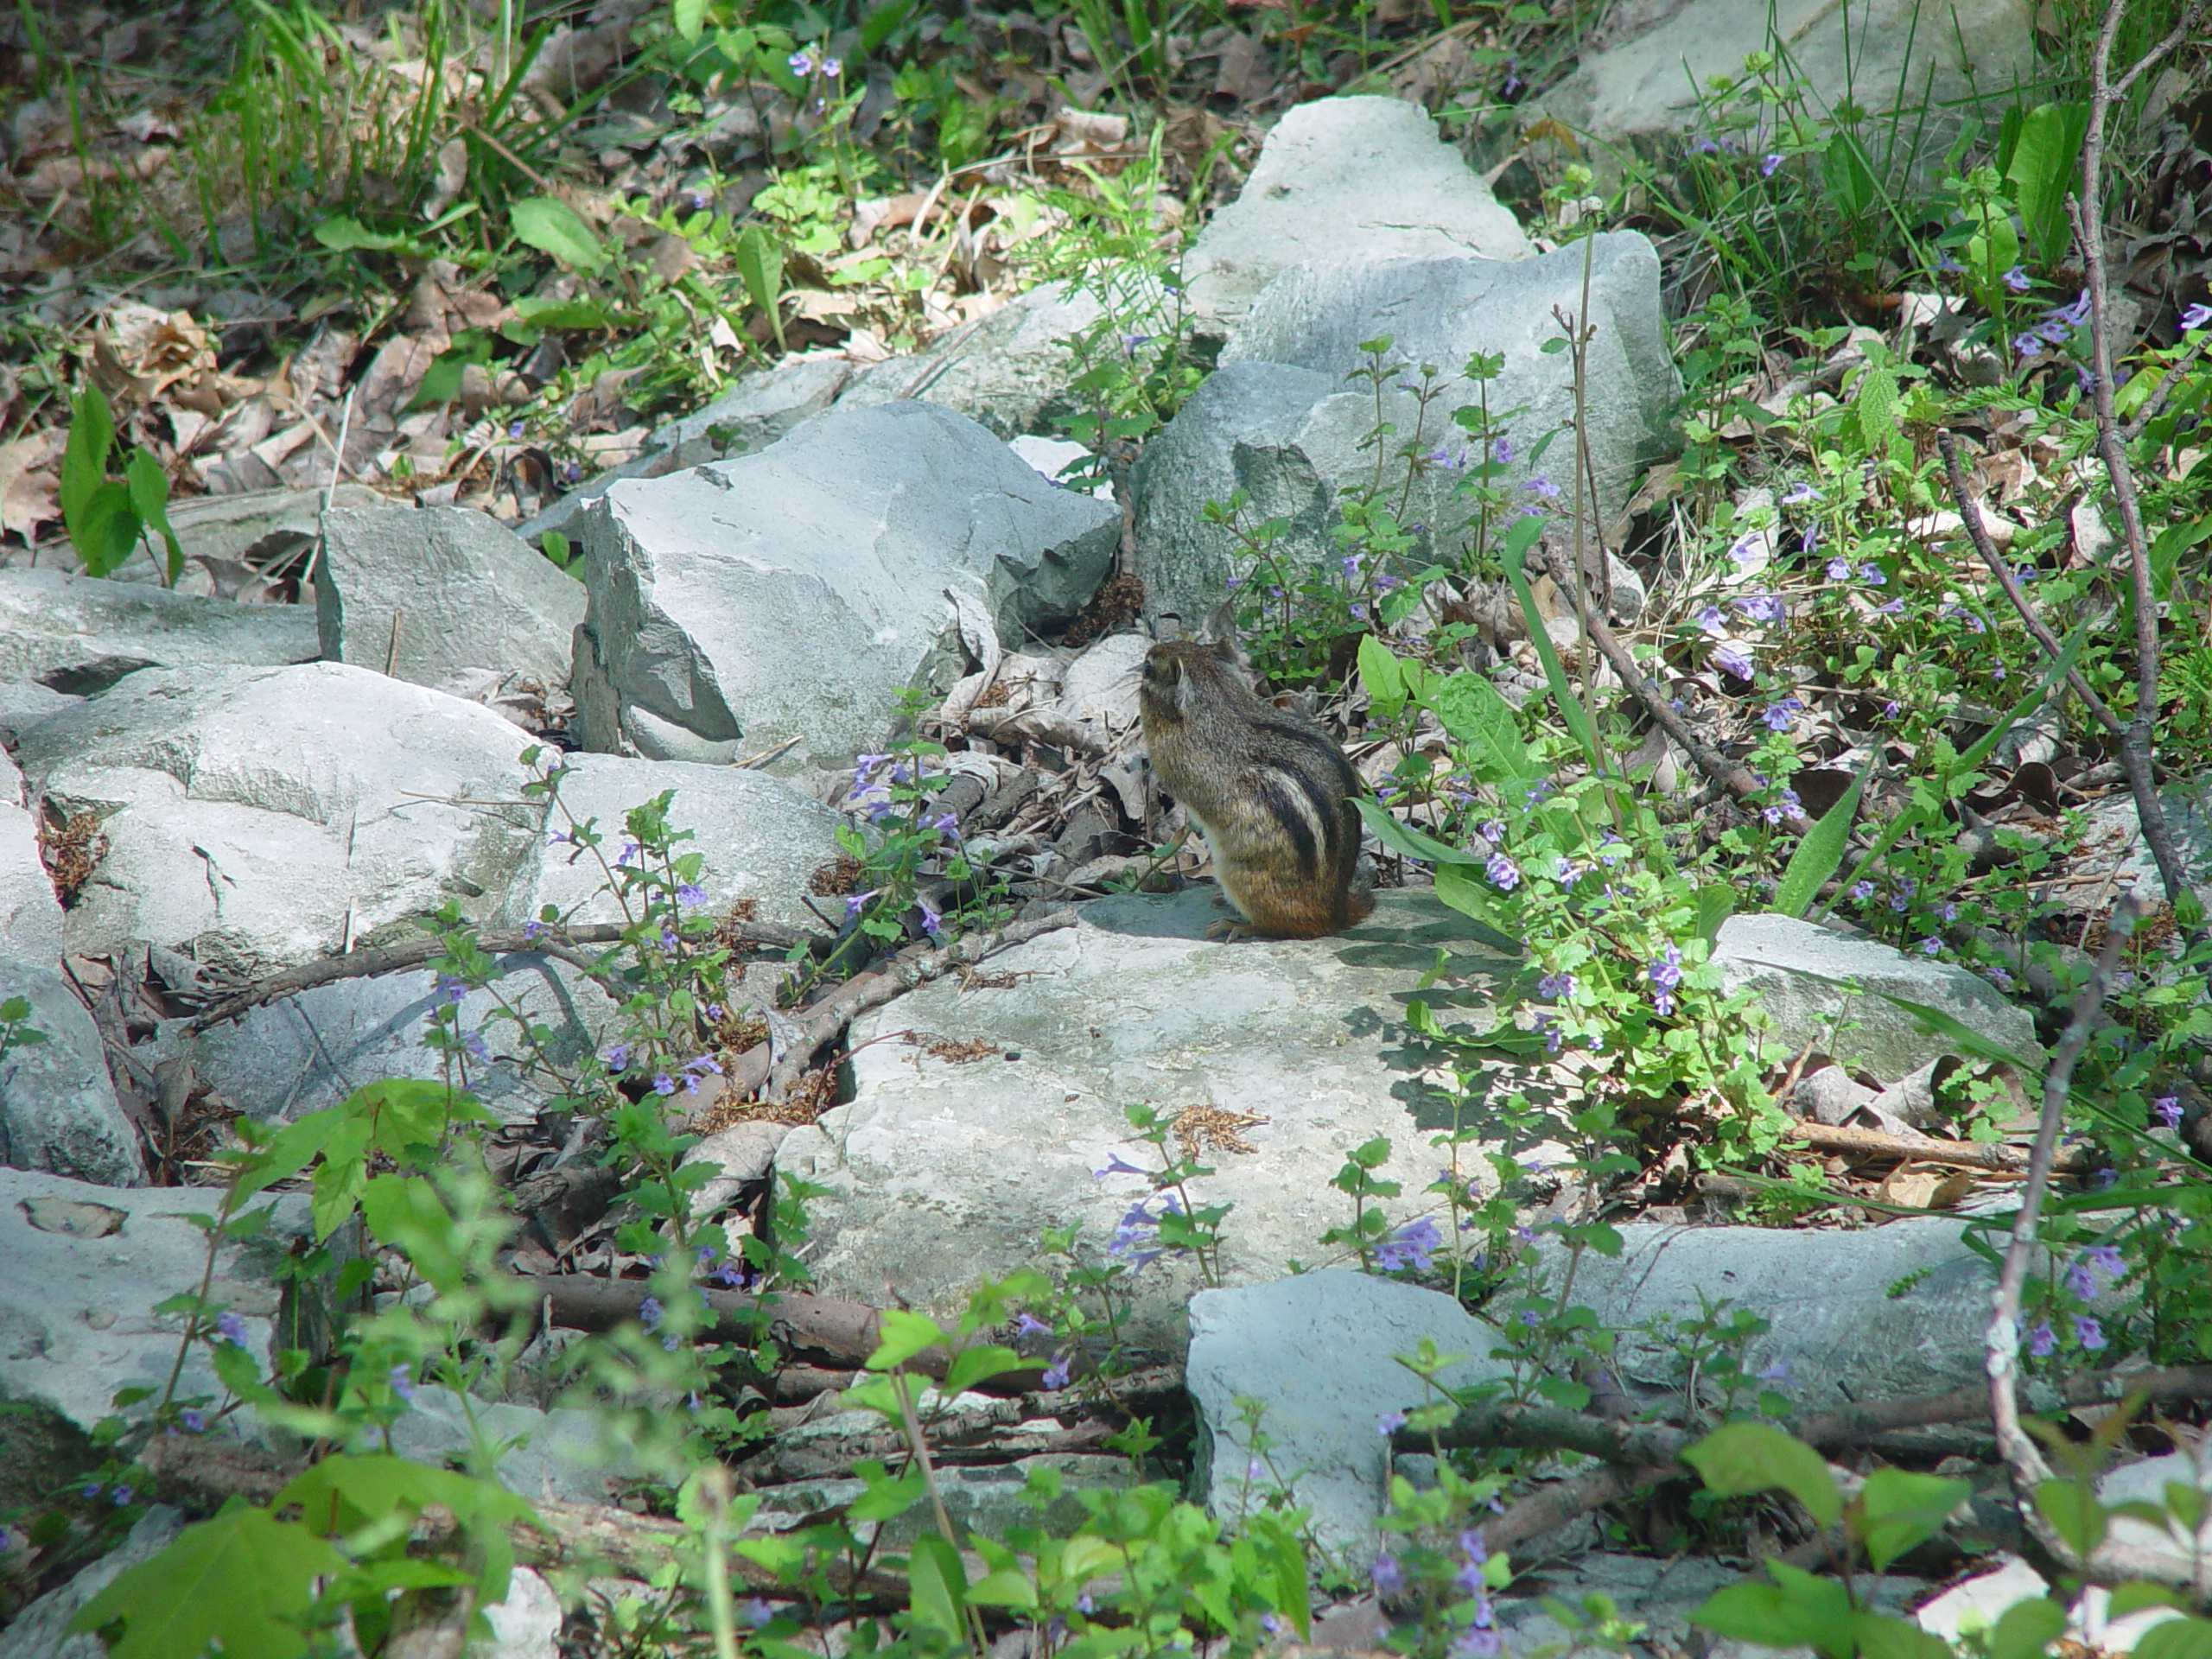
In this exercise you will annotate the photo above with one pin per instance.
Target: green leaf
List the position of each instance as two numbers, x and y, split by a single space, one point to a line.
1477 714
150 499
1005 1587
1716 903
1513 555
405 1213
939 1583
105 531
539 312
760 258
383 1495
343 234
84 462
240 1581
552 226
1883 1637
2175 1638
1820 854
1851 182
2073 1511
1384 679
977 1364
343 1177
877 26
1404 838
886 1498
2026 1628
2041 172
1899 1509
1771 1616
1469 892
904 1335
1745 1457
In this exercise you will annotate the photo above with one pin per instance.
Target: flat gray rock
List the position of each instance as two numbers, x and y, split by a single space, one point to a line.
761 408
1319 1350
262 817
943 1175
1932 51
794 592
81 634
310 1051
1346 177
30 915
1778 955
58 1109
42 1630
87 1266
758 836
424 593
1837 1331
1012 371
1279 422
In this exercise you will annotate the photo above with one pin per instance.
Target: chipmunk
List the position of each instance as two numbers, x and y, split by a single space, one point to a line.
1270 789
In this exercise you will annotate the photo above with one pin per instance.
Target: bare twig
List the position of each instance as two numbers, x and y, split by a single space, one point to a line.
1925 1149
2022 1461
829 1018
562 943
1724 772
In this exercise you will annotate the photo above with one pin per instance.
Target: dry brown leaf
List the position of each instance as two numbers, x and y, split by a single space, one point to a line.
29 482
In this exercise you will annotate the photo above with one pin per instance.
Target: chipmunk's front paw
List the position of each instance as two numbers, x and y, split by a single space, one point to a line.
1230 929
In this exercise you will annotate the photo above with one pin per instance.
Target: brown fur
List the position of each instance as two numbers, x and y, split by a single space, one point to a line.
1270 789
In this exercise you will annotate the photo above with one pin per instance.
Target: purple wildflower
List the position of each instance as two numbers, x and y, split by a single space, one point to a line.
649 1311
1389 1578
2043 1341
2168 1106
1779 715
1504 873
2017 280
2088 1332
402 1382
1761 607
1389 1423
1768 162
1732 660
1839 568
1799 494
230 1328
2195 317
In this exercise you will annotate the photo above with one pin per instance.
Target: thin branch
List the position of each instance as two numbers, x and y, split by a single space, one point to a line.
2002 1346
826 1021
562 943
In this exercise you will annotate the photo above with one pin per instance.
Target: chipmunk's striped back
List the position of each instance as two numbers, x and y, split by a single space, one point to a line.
1270 790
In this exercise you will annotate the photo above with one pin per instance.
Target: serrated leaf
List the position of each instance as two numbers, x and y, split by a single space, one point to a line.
1820 853
886 1498
551 225
979 1364
239 1581
1772 1617
1745 1457
1477 714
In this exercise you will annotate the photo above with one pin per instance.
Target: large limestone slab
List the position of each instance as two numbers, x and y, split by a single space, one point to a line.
794 593
758 836
1278 421
1880 55
1839 1333
87 1267
262 817
81 634
1012 372
943 1175
58 1109
1787 961
30 915
310 1051
1320 1350
429 593
1346 177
